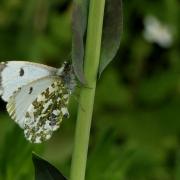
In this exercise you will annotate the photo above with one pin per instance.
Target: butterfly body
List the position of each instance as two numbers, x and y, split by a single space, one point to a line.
37 96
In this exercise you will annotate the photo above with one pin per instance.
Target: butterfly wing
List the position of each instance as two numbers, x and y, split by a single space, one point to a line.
24 96
45 113
15 74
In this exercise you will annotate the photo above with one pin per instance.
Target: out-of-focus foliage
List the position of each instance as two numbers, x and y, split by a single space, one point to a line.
136 129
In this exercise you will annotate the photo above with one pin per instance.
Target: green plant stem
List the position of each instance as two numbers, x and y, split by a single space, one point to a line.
92 56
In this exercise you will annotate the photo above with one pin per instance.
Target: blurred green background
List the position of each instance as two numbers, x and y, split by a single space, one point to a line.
135 131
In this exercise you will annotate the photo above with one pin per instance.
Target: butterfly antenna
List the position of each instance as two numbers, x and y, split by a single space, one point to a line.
69 57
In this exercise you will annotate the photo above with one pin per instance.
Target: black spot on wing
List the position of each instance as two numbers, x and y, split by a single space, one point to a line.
21 72
30 90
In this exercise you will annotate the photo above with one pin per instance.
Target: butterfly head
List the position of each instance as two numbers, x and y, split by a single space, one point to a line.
67 74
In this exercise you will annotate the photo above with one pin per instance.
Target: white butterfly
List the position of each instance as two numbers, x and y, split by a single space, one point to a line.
37 96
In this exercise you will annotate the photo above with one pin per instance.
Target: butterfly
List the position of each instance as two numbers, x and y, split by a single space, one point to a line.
37 96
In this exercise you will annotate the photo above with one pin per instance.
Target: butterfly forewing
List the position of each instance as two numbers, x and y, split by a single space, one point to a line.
15 74
46 112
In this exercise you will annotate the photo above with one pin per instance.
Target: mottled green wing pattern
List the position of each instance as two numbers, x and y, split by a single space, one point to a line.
46 112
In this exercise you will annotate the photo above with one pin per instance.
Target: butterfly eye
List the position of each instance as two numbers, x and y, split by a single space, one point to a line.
67 66
65 63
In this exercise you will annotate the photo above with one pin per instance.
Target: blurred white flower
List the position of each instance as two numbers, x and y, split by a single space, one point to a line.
157 32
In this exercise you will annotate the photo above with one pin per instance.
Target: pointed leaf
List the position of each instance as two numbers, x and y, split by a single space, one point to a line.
44 170
79 23
111 34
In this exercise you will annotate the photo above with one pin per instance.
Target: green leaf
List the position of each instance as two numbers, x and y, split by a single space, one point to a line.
44 170
112 30
79 23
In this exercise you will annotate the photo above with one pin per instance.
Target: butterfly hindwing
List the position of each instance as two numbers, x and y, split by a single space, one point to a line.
15 74
24 96
45 113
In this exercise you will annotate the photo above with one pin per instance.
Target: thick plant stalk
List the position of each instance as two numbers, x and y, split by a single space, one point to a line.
92 56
